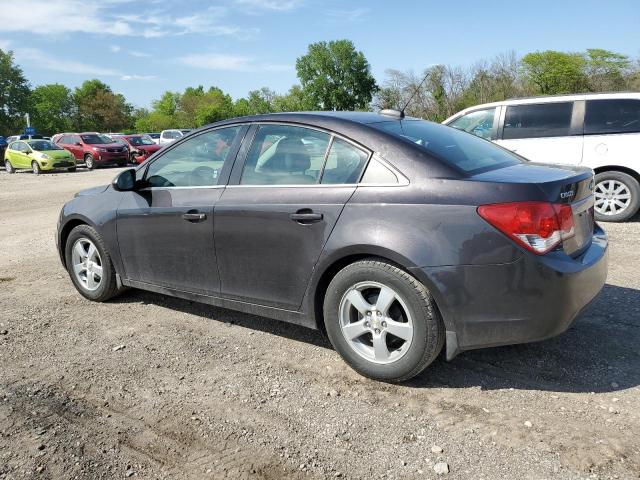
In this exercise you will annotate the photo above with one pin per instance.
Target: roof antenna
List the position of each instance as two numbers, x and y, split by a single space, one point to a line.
400 114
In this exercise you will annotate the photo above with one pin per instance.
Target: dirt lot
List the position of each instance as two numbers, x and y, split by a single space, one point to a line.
200 392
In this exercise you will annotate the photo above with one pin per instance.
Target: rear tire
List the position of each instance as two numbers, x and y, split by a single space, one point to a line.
617 196
35 166
89 162
103 285
382 321
8 167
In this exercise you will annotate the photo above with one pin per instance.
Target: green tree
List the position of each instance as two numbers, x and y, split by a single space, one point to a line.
336 76
99 109
153 122
556 72
168 103
52 108
14 95
214 105
606 70
295 100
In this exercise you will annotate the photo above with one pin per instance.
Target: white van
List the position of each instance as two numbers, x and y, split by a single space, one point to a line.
600 130
168 136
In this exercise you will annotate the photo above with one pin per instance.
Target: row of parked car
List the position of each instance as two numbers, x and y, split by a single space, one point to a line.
63 151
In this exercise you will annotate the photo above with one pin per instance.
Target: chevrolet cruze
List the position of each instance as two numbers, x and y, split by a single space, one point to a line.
397 237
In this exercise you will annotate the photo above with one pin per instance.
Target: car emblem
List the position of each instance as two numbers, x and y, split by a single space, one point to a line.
568 194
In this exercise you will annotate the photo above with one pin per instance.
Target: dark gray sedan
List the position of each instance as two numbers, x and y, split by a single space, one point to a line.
395 236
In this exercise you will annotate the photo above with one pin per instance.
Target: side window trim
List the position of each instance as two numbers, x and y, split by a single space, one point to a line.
225 171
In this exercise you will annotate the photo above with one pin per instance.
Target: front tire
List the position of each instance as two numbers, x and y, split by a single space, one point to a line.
382 321
89 162
617 196
8 167
89 264
35 166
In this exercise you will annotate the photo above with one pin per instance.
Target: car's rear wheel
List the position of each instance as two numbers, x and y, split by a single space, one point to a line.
382 321
89 264
617 196
8 167
35 166
89 162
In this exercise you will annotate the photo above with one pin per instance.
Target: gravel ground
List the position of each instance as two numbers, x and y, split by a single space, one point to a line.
152 387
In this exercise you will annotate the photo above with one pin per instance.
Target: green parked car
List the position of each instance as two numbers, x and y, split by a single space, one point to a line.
37 155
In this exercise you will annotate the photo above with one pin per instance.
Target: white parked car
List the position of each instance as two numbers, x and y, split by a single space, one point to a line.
600 130
171 135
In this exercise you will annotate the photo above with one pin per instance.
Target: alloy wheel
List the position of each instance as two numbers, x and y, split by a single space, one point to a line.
87 264
376 322
612 197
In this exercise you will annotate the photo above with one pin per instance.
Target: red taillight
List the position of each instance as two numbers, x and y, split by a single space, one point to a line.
537 226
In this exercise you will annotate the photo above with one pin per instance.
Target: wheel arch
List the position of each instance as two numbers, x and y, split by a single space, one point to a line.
65 230
617 168
341 259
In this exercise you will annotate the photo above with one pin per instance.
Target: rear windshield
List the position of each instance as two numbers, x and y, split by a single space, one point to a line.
460 149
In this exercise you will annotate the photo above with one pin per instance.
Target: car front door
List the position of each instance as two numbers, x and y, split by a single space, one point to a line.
165 227
279 209
545 132
24 161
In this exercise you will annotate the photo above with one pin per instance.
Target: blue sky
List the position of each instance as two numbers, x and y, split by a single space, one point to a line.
142 48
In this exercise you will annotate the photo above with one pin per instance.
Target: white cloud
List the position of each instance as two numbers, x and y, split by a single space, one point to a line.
48 62
274 5
135 53
106 18
348 16
138 77
115 48
233 63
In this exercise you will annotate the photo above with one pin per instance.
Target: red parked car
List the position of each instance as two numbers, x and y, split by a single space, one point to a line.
94 149
140 147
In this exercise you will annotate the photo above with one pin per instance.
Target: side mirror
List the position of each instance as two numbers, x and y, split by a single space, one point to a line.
78 144
125 181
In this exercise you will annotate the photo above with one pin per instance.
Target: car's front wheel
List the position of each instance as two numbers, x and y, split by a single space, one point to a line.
35 166
8 167
89 162
89 264
617 196
382 321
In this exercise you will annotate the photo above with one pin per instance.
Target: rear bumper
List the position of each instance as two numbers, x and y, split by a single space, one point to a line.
530 299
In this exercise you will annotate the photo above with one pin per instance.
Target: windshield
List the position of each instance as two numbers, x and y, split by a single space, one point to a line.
43 145
94 139
463 150
137 141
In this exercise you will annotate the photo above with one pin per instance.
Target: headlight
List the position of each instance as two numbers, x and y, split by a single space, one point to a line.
46 157
98 149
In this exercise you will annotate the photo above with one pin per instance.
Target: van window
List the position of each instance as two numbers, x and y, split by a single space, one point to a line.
535 121
612 116
480 123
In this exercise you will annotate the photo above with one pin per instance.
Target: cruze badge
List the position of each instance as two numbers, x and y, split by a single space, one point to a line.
568 194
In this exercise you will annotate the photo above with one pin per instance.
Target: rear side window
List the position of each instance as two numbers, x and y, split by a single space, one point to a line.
535 121
285 155
377 173
344 163
612 116
462 150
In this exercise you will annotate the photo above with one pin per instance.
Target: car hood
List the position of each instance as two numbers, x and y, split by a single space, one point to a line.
57 154
92 191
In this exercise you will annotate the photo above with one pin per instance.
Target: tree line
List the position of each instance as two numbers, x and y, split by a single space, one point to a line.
332 76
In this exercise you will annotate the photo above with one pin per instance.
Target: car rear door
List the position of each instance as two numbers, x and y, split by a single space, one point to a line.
286 192
165 228
548 132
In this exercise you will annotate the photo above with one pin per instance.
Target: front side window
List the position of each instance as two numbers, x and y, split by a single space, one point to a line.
344 163
612 116
480 123
285 155
536 121
196 162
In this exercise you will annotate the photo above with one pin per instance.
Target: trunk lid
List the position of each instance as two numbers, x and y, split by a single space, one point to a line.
559 184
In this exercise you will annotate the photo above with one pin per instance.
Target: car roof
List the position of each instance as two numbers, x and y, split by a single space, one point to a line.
548 99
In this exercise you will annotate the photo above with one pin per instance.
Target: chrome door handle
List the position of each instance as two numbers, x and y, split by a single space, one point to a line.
306 217
194 217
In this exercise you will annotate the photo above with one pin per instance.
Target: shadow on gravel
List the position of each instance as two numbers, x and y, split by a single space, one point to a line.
600 353
253 322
